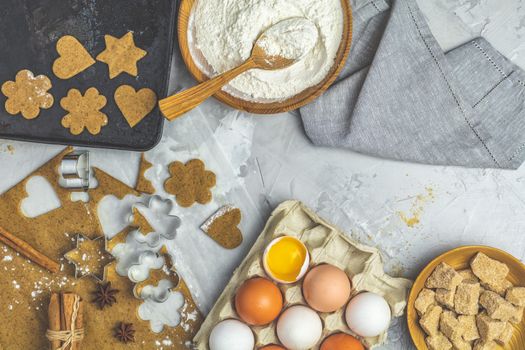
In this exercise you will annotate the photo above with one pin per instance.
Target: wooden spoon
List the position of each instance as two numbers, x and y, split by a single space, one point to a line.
182 102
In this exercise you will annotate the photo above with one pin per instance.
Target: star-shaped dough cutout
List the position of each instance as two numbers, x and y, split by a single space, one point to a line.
90 257
121 55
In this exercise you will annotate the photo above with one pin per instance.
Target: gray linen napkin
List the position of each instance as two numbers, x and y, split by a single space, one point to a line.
401 97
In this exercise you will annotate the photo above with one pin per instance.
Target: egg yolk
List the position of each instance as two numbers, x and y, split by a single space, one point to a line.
285 259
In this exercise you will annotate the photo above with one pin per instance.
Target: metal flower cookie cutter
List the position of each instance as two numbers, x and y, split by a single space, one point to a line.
75 171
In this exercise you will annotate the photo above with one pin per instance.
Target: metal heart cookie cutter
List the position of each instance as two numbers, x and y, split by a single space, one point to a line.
75 171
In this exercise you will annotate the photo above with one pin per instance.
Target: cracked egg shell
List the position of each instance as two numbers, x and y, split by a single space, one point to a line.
286 259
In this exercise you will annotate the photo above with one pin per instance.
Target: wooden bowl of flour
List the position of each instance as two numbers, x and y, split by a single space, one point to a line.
306 96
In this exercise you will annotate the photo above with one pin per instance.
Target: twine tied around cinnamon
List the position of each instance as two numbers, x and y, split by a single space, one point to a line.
68 337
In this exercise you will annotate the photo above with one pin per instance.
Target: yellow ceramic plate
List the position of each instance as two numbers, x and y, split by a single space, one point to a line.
459 258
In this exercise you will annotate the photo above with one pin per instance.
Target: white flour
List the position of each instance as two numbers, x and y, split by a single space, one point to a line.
292 38
225 30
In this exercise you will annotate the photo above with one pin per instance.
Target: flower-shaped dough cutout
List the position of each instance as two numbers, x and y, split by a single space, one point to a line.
190 183
27 94
84 111
90 257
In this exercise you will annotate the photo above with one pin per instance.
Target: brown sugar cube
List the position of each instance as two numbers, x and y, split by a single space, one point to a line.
449 325
467 298
516 295
438 342
497 307
460 344
445 297
444 277
506 335
469 329
484 345
430 320
488 270
468 276
489 329
424 300
499 287
517 316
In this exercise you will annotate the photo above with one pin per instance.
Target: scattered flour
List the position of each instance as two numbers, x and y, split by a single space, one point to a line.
223 32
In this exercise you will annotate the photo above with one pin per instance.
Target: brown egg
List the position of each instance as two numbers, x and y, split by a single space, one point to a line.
341 341
272 347
326 288
258 301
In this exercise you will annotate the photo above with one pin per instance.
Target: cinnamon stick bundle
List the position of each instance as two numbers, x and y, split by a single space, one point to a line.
66 321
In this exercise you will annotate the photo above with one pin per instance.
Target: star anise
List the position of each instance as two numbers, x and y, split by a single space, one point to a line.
105 295
125 332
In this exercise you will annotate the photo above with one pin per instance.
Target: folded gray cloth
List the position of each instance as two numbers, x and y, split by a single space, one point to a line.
401 97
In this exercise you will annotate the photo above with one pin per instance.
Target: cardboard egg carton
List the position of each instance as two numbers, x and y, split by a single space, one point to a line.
326 244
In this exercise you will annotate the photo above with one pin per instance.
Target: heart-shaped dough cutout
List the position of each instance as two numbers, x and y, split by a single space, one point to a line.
73 58
222 227
135 105
41 198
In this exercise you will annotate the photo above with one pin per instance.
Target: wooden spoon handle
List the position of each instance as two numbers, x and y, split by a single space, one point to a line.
178 104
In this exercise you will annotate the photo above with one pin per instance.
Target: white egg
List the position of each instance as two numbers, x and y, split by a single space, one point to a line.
299 328
368 314
231 335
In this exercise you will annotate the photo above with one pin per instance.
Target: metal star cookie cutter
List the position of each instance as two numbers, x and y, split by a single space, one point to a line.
85 263
75 171
156 215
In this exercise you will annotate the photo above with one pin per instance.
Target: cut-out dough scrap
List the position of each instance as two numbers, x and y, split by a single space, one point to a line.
165 273
90 257
84 111
190 183
41 198
28 315
159 315
144 185
140 222
121 55
73 58
135 105
223 228
154 220
148 260
27 94
79 197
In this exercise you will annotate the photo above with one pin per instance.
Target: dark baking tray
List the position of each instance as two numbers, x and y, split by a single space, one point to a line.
29 30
